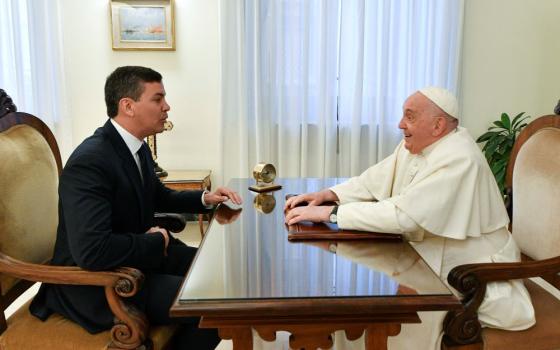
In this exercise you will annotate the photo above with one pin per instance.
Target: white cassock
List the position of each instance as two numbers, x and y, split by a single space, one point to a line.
446 201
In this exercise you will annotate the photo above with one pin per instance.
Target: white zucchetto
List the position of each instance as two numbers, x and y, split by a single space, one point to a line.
443 98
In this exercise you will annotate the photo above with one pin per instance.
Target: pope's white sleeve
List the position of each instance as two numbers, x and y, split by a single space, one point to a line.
353 190
380 216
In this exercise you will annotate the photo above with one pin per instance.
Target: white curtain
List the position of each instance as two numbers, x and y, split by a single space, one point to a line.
389 49
31 63
316 86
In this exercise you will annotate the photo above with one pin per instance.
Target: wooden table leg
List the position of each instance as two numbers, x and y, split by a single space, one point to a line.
308 337
377 334
307 333
201 225
242 337
313 339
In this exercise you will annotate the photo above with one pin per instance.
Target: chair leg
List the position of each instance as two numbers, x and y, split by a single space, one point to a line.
201 225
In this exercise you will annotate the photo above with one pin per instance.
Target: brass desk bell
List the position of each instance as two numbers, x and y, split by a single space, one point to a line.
151 140
264 174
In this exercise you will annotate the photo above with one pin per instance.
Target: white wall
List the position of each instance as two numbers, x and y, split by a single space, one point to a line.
190 75
510 60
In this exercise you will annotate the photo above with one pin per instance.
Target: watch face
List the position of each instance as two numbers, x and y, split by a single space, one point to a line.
332 218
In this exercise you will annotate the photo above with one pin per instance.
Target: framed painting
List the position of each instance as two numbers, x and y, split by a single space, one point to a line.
142 24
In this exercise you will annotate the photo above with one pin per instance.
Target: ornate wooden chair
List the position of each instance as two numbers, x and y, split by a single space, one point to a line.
29 170
533 181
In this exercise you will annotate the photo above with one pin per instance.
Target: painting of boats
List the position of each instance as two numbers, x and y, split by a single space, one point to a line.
141 23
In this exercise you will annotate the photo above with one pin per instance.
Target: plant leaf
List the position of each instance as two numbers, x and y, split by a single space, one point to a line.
490 151
486 136
501 180
502 149
495 167
501 175
499 124
516 119
499 141
506 121
518 122
518 130
500 138
504 161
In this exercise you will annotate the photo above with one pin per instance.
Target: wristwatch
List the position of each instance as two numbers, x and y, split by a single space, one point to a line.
332 216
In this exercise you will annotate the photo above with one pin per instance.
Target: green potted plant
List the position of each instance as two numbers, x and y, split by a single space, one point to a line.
500 139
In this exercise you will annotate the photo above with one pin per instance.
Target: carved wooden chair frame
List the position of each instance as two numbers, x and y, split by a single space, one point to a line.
462 328
131 325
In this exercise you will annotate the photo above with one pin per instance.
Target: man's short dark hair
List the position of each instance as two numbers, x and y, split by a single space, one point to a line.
127 81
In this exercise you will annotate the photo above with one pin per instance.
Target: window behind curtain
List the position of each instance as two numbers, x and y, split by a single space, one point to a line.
317 86
389 49
15 57
31 62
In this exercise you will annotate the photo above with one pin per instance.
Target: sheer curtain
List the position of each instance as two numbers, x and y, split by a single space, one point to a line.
389 49
316 86
31 63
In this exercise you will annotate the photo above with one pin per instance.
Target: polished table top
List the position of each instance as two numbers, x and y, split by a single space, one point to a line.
251 260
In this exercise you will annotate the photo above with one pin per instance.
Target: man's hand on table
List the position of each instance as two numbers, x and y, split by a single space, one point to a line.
222 194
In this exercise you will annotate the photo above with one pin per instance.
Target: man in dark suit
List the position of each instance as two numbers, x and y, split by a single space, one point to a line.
108 195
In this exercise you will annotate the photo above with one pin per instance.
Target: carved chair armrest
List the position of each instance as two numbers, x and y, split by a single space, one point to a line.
170 221
131 325
127 280
461 277
463 327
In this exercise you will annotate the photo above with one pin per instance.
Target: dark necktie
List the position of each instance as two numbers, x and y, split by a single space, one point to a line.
143 164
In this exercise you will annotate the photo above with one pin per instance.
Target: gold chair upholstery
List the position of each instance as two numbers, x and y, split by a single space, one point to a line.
533 181
29 173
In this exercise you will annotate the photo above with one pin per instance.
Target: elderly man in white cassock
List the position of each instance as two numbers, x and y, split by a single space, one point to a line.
436 190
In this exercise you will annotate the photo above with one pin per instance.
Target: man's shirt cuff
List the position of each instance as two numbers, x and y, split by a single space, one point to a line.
203 202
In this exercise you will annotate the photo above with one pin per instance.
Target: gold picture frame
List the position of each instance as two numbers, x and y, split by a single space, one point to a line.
142 24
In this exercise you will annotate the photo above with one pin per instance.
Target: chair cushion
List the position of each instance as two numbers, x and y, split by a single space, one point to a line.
536 223
542 336
28 197
25 331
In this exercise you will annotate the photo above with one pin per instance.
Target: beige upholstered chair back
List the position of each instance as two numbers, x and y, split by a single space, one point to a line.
536 189
29 169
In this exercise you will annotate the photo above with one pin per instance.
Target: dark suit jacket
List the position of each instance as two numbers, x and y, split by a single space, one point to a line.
104 212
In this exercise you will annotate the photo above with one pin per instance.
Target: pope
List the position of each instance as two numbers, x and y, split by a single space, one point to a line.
437 191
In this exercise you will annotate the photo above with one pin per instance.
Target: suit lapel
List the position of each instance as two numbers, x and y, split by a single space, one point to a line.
129 166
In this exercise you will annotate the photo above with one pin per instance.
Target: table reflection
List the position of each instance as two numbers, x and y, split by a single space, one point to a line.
247 256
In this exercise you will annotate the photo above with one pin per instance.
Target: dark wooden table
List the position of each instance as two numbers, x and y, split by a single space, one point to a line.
247 275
